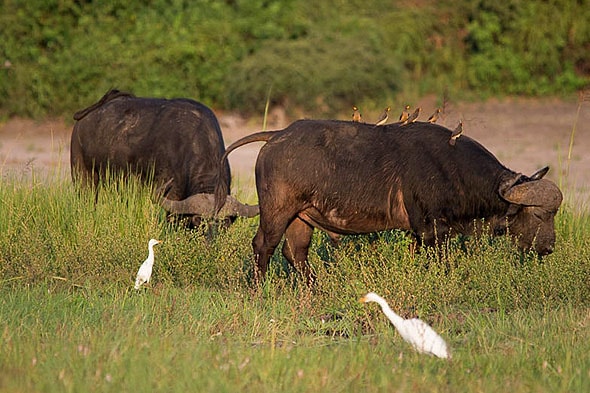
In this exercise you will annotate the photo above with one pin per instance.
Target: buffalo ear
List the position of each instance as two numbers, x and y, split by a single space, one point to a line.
507 183
539 174
534 193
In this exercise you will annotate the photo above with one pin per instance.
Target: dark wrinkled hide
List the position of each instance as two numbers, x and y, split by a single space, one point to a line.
179 140
350 178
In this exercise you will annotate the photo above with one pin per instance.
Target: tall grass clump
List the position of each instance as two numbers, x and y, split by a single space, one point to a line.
60 231
71 320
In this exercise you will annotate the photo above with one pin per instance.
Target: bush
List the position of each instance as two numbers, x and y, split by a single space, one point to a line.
526 47
60 56
320 74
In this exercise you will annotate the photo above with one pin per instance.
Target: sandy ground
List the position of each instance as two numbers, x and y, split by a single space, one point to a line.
524 134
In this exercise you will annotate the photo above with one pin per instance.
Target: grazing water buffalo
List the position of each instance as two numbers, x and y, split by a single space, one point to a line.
177 141
349 178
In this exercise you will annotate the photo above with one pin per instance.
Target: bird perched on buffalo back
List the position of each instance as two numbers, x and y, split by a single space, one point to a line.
456 133
383 119
434 117
405 114
412 118
356 114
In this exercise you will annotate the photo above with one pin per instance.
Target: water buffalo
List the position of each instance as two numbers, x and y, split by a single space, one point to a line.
176 141
350 178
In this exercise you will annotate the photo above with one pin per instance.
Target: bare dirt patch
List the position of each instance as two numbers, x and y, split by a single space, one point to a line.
524 134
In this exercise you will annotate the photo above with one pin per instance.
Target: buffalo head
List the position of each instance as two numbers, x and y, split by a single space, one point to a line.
534 201
203 206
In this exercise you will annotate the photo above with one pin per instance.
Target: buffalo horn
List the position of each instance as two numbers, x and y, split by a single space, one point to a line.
203 205
540 173
534 193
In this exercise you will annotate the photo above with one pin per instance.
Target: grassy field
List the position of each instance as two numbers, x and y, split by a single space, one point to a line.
71 321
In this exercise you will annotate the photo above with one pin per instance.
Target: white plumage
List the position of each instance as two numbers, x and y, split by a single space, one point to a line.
145 270
415 331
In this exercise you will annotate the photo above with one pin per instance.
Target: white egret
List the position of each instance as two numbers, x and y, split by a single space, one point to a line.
415 331
145 270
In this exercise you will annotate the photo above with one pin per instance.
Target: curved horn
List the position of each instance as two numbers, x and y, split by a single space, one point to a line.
539 174
233 207
204 205
534 193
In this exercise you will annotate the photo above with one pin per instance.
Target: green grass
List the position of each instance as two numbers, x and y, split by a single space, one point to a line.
59 338
70 320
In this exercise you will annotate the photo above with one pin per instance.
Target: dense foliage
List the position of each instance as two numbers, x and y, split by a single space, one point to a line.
58 56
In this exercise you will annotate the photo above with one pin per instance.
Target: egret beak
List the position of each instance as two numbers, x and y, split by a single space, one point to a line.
363 300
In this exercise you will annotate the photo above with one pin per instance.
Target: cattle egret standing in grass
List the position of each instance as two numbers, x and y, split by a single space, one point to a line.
415 331
145 270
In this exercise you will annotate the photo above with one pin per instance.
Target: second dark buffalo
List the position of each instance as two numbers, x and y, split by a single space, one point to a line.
178 142
351 178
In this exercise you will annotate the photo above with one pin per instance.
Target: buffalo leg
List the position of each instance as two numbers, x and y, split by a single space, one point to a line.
296 246
80 173
264 244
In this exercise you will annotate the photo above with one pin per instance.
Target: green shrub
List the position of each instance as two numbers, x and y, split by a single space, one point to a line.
525 47
320 74
59 56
